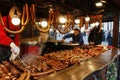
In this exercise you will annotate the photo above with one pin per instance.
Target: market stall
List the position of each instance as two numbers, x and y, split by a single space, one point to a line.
43 59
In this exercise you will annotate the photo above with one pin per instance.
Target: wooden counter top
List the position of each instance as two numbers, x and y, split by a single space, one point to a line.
85 68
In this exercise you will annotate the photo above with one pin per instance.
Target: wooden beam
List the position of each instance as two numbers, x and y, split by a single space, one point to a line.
116 27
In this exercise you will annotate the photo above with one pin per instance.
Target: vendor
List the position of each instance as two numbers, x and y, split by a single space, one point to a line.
77 37
9 42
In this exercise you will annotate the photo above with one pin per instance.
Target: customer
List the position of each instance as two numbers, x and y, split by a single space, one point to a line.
109 38
77 37
9 42
96 36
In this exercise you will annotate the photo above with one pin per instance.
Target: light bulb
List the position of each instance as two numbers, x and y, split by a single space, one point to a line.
15 20
87 19
103 1
77 21
98 4
62 20
44 23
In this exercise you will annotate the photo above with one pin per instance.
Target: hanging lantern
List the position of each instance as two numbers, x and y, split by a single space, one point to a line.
44 23
87 18
77 21
62 20
98 4
15 19
67 25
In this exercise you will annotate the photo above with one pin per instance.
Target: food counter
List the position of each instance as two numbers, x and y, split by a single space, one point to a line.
79 63
87 68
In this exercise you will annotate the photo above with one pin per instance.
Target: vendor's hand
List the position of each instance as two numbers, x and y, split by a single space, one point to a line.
15 50
13 56
62 40
92 43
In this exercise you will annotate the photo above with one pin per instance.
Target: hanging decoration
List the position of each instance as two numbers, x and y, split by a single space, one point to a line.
81 22
55 18
87 19
33 16
66 25
25 15
52 21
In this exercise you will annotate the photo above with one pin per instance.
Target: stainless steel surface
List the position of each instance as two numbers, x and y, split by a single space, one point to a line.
85 68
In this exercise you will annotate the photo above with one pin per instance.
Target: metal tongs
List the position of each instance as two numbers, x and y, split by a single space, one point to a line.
24 64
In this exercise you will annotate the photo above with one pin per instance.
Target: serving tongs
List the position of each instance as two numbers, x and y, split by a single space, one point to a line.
24 64
28 72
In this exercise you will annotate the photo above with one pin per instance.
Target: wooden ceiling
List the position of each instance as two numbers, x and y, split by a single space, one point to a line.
75 7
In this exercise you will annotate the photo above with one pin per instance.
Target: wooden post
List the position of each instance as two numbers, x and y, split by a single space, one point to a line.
115 27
